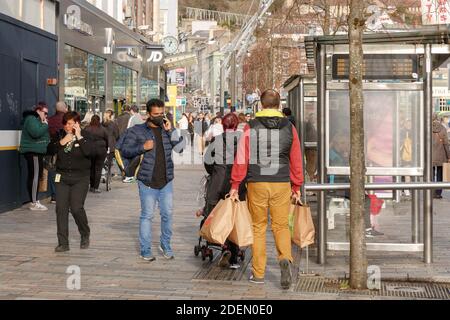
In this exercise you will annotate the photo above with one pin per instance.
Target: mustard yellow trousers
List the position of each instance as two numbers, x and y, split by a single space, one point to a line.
275 198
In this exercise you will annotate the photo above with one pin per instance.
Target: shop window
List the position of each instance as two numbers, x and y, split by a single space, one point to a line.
96 66
75 78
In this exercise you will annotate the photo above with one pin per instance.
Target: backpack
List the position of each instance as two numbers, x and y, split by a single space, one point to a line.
119 158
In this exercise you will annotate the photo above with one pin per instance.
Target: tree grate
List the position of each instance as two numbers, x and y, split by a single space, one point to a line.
412 290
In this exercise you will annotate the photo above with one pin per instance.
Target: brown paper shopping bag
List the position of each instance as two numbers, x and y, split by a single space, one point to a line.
43 182
303 230
220 222
446 172
242 233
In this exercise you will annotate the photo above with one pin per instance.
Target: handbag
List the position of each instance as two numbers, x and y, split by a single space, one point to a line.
49 162
43 181
220 222
303 231
446 172
406 149
242 233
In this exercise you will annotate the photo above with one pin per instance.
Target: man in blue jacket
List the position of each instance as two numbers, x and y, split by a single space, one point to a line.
155 139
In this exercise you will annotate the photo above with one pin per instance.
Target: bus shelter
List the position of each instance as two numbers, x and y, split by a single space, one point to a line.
302 100
398 112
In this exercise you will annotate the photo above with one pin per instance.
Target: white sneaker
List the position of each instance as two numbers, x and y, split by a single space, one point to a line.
37 206
129 180
234 266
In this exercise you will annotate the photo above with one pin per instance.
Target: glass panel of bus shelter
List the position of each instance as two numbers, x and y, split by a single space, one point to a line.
391 220
392 126
392 129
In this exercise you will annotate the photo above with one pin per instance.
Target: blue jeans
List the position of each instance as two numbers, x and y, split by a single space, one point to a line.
149 198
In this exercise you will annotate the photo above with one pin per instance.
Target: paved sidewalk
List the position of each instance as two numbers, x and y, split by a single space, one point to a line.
110 269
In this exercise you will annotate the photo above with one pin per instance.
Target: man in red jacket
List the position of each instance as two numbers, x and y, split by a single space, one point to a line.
269 155
55 124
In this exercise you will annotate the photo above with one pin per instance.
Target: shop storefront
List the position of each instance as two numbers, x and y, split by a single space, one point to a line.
103 62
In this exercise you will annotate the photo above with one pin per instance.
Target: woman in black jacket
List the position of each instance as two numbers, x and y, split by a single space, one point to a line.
113 133
219 159
99 136
73 149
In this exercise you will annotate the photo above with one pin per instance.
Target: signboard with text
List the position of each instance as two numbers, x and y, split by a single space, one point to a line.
435 12
180 77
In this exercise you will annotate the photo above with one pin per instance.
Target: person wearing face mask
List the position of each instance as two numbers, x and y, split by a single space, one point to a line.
155 140
73 150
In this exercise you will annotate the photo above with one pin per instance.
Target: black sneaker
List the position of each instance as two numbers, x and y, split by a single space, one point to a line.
224 261
84 244
62 248
286 276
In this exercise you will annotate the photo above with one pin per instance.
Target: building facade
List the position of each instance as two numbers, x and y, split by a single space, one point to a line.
28 60
104 64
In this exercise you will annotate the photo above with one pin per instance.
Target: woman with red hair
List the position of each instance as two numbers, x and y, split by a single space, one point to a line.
218 161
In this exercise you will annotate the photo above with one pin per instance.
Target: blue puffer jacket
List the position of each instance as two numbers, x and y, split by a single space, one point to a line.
133 146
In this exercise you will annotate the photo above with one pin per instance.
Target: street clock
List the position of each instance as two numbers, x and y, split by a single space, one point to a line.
170 44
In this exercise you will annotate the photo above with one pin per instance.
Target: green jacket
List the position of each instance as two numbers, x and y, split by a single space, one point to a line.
35 136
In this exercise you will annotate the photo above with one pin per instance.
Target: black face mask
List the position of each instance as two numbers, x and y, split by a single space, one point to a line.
157 121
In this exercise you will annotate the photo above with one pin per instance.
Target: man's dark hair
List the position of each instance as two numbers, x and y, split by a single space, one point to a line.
270 99
126 108
154 103
135 108
71 115
287 112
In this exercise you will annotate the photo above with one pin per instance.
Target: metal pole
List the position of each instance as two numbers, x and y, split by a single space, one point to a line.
415 221
321 208
428 199
300 117
379 186
222 87
232 85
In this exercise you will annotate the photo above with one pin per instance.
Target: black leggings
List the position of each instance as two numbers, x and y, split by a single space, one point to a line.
437 177
35 168
97 163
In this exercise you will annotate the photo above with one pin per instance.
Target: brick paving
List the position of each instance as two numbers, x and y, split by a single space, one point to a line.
110 268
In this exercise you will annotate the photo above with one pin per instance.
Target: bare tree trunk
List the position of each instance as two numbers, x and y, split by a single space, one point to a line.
358 259
327 19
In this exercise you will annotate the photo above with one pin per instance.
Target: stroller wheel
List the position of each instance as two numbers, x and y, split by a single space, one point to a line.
203 250
196 251
211 255
241 255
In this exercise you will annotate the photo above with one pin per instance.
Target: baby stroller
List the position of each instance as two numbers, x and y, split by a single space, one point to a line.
204 247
